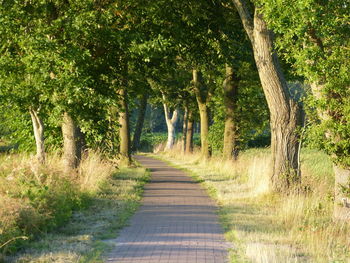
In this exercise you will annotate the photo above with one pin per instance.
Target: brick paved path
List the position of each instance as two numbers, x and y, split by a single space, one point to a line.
176 223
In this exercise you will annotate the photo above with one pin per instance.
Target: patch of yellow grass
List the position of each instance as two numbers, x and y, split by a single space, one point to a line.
32 196
91 231
93 170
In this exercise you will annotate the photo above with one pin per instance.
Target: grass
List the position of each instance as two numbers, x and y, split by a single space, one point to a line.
268 227
113 196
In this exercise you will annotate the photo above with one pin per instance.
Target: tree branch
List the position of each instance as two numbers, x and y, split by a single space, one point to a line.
247 20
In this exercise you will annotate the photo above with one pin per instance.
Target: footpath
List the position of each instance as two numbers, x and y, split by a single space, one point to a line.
176 223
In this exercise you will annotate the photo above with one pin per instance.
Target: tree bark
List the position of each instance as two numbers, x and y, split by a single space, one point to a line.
202 97
38 127
71 152
139 123
189 133
230 100
124 130
204 116
284 112
170 123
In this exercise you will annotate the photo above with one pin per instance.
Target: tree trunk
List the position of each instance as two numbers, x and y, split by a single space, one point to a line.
139 124
202 97
171 136
284 112
38 127
204 116
189 133
71 153
230 100
184 129
170 123
124 130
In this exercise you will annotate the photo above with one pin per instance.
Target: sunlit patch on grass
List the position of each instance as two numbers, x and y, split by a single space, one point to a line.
269 227
114 196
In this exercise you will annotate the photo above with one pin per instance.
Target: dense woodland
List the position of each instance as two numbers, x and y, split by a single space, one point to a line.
218 75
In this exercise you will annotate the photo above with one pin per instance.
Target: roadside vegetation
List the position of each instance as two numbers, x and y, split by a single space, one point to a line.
265 226
49 217
228 75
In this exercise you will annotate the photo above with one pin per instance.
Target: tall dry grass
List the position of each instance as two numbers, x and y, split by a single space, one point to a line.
270 227
35 199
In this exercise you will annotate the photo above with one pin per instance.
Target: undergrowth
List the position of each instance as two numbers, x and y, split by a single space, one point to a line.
52 217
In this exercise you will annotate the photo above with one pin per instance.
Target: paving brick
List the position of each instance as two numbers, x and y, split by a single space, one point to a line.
176 223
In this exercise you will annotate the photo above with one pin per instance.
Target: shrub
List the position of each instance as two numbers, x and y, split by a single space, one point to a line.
150 140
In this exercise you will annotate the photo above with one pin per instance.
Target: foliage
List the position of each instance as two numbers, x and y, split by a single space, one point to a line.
18 130
251 116
312 38
61 57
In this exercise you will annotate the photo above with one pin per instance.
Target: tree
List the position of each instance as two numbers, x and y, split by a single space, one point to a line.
140 121
202 96
170 123
312 36
230 99
62 58
189 132
71 151
124 131
25 67
284 111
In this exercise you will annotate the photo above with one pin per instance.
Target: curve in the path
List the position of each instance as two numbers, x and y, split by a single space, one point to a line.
176 223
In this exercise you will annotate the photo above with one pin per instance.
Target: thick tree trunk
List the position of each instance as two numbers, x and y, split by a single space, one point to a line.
38 127
184 129
202 97
284 112
230 100
71 151
170 123
139 123
189 133
124 130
